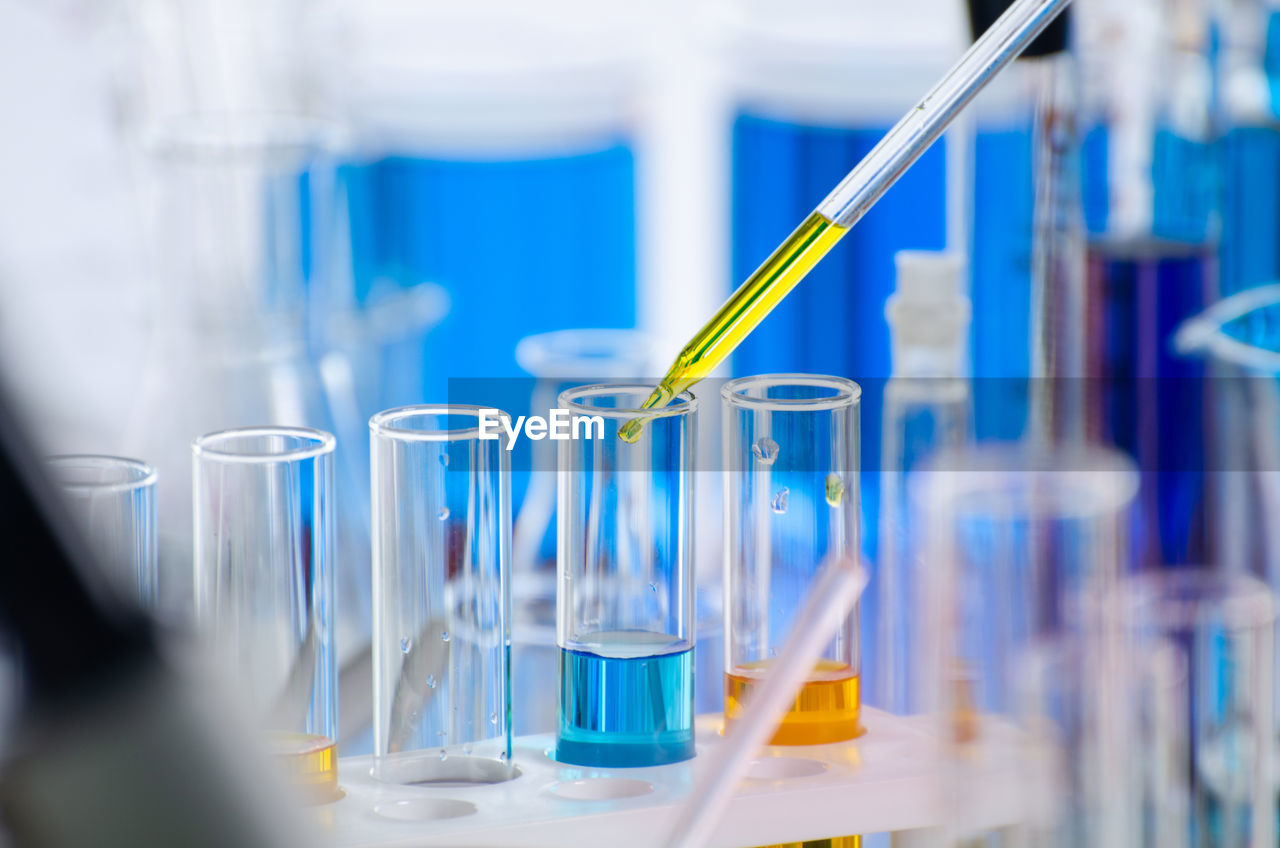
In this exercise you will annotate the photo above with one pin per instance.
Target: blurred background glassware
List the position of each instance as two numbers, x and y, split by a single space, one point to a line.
242 232
555 360
265 589
1239 338
1151 207
114 498
928 406
1220 628
1021 541
442 602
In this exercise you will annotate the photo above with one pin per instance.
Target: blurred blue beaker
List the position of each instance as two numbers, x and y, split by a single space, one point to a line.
493 157
1240 338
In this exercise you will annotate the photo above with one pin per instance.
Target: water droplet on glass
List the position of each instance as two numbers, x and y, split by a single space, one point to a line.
444 755
431 681
444 459
835 489
779 502
502 755
466 749
765 449
444 635
443 513
493 718
653 587
405 644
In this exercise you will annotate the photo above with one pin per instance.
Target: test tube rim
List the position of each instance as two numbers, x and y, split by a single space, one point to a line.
847 393
320 442
970 470
382 424
1203 333
681 405
144 474
1245 602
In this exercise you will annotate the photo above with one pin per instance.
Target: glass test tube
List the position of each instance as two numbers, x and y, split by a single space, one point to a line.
115 500
1020 542
264 585
557 361
1220 628
791 499
442 596
625 606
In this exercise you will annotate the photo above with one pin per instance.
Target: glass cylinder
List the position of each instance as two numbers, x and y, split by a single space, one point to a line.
441 482
264 585
1220 626
625 606
791 500
1023 544
115 500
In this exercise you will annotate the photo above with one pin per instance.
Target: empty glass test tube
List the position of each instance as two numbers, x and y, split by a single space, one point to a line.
791 499
1220 628
1021 545
625 606
442 595
115 500
264 585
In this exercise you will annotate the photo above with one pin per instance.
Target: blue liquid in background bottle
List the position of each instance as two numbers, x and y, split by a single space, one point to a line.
1143 397
1250 249
1000 270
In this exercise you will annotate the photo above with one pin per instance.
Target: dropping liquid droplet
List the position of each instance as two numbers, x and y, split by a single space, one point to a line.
653 587
444 513
444 635
779 502
835 489
405 644
493 718
765 450
431 681
444 459
444 755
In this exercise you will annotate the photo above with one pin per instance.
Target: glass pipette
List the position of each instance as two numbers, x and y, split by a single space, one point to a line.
850 200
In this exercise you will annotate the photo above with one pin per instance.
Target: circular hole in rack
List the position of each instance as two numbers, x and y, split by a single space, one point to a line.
425 809
601 788
424 768
784 768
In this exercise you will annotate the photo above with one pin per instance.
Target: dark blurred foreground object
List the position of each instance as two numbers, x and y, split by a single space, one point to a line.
110 748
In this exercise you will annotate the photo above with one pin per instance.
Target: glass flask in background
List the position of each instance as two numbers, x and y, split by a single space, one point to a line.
442 602
791 499
265 590
1026 545
555 360
1239 340
115 500
240 232
1219 627
460 116
1027 239
1150 202
625 608
814 86
927 406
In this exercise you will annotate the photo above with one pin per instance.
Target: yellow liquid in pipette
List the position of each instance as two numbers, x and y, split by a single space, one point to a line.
743 311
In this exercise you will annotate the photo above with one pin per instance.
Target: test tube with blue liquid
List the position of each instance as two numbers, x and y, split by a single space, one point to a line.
625 605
